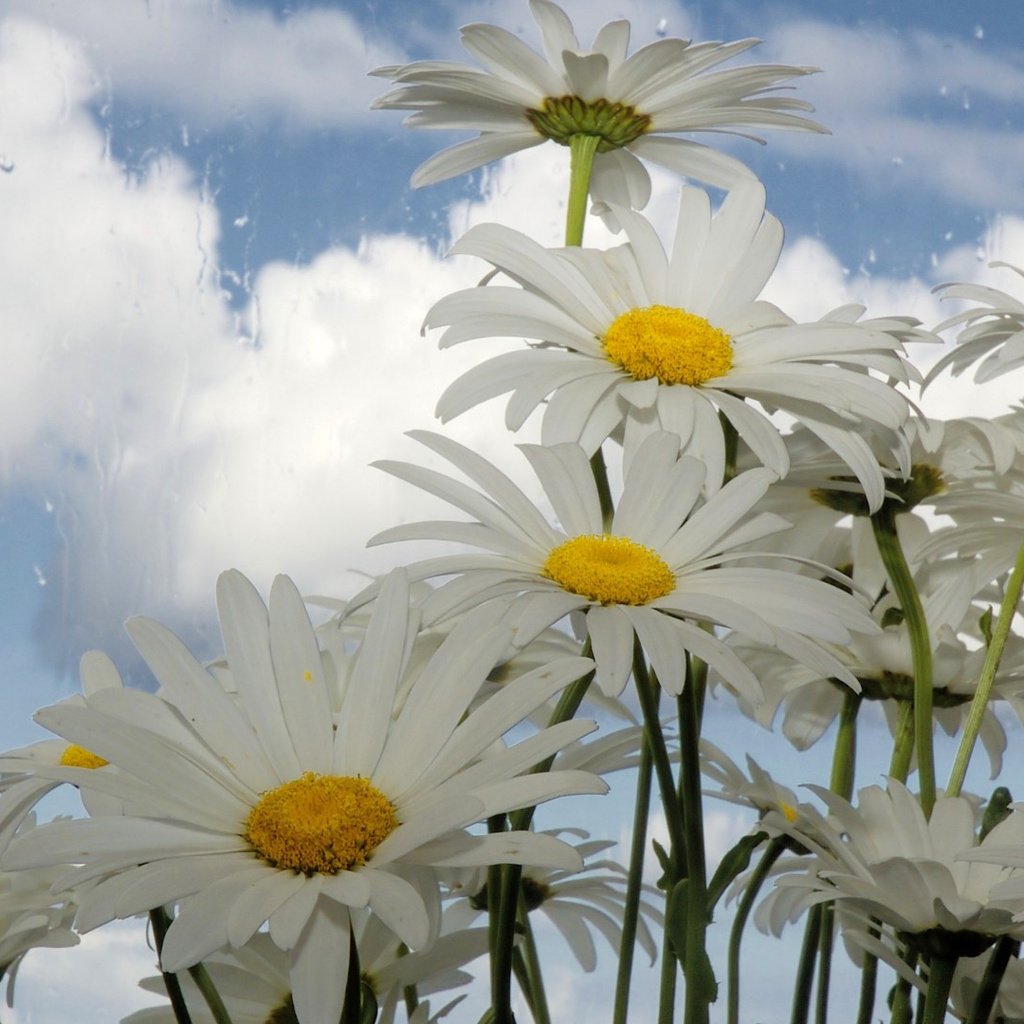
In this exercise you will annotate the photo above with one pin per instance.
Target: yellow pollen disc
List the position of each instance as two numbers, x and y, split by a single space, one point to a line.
675 346
788 812
75 756
612 570
320 823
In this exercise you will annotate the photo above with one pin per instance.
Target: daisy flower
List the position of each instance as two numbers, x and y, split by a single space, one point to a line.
633 338
577 903
271 808
520 99
646 576
885 861
993 332
254 982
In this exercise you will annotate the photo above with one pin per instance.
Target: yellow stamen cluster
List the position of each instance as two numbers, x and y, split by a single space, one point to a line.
75 756
611 570
668 343
320 823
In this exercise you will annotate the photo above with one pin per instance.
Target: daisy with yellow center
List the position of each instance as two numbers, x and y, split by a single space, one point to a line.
273 806
646 576
633 104
640 340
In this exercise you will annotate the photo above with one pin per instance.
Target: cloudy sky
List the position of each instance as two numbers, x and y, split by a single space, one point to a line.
214 274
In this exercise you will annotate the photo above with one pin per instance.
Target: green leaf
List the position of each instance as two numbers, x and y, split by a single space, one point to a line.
697 969
985 625
669 874
732 864
996 810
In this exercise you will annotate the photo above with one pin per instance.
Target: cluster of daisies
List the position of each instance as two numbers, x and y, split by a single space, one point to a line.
331 821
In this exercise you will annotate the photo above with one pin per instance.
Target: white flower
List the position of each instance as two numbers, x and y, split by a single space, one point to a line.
884 860
993 332
519 100
646 576
270 808
575 902
254 982
634 338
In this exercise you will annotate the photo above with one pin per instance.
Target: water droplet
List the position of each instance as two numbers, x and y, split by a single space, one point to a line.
40 578
6 164
662 29
979 32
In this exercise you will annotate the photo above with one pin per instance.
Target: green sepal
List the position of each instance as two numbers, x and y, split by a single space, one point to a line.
367 1004
985 625
996 810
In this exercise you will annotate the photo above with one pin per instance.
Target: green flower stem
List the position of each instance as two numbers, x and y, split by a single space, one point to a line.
667 992
901 992
940 978
903 742
993 655
582 150
531 961
209 992
649 692
634 881
604 493
805 968
522 974
699 993
985 1000
350 1011
760 874
505 880
844 757
868 984
883 523
825 941
160 921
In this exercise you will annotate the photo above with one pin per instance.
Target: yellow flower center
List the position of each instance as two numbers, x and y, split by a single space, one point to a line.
675 346
320 823
788 812
75 756
612 570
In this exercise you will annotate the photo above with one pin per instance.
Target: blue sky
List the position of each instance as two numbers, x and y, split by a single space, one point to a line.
215 272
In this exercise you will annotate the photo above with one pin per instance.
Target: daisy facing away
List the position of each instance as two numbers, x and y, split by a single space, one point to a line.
632 105
636 340
267 808
646 576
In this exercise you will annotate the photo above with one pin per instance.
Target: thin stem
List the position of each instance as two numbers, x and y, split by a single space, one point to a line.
534 974
868 984
771 854
901 993
604 493
161 920
903 742
209 992
985 1000
825 938
844 756
883 523
522 974
634 882
805 968
649 693
350 1010
940 979
667 992
582 149
976 715
698 996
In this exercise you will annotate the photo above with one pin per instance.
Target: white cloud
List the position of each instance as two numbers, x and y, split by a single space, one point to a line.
216 62
103 972
872 92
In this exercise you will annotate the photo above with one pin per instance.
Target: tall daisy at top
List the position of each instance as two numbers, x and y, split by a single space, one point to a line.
626 105
635 339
